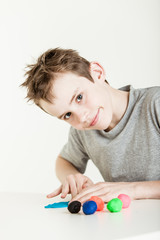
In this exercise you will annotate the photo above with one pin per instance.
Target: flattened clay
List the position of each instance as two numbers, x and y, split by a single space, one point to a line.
58 205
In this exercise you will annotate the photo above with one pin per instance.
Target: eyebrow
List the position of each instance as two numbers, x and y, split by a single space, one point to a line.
74 94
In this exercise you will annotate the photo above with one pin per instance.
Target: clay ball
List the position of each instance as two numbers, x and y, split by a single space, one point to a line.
126 200
114 205
89 207
74 207
99 202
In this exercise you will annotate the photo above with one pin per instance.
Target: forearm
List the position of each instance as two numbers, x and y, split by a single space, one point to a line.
148 189
64 168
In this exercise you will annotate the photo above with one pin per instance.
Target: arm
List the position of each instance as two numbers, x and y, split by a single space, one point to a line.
72 180
64 168
110 190
148 189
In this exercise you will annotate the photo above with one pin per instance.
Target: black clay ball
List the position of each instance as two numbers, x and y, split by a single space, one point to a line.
74 207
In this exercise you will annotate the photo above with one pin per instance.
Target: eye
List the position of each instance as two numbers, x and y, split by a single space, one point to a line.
67 115
79 97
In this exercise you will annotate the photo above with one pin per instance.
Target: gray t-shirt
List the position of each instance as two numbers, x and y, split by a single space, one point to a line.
128 152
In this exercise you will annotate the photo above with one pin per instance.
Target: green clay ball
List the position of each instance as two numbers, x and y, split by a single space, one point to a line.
115 205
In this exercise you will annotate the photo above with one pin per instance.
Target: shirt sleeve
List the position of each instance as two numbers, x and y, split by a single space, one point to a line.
74 151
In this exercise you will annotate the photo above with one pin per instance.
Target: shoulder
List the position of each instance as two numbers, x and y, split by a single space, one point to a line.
147 101
151 104
150 96
152 92
153 99
145 94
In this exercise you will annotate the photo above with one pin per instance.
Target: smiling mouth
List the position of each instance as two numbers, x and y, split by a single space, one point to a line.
95 120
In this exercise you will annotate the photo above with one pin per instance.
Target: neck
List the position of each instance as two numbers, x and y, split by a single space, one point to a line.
119 104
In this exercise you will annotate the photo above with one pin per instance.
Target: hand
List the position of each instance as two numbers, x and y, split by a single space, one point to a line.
106 191
73 184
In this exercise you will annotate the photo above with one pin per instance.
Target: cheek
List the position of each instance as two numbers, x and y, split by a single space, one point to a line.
93 101
74 124
107 105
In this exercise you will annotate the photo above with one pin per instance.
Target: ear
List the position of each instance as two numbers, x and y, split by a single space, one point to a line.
97 72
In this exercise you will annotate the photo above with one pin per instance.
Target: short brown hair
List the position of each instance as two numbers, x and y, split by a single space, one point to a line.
41 74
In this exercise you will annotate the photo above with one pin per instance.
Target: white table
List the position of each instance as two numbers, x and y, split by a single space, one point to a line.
23 216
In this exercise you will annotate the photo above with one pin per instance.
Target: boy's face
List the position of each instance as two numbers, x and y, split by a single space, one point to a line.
83 104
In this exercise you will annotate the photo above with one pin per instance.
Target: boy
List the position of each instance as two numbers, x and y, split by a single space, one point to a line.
118 129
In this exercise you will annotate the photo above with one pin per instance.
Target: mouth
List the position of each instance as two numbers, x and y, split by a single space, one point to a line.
95 119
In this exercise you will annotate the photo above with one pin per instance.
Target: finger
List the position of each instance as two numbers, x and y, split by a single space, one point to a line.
72 186
79 183
102 193
89 190
87 183
79 186
86 197
105 197
55 193
87 193
65 190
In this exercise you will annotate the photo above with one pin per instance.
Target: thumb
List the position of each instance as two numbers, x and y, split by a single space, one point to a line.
87 184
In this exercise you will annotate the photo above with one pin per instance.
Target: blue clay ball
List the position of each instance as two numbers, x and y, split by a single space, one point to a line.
89 207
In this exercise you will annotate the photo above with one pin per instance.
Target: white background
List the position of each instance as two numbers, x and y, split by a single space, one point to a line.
123 35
